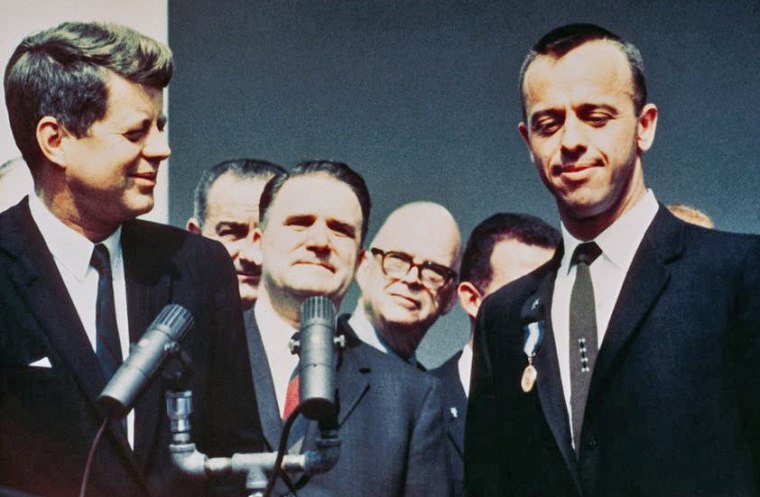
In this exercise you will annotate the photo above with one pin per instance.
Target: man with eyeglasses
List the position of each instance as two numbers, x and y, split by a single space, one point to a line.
407 278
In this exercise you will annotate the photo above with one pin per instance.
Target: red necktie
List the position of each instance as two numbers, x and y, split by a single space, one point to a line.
292 396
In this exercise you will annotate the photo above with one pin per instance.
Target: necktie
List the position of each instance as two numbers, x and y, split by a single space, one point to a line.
292 395
583 341
107 348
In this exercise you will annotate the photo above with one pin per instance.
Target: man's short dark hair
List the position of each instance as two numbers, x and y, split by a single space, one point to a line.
339 170
63 72
523 228
561 40
240 168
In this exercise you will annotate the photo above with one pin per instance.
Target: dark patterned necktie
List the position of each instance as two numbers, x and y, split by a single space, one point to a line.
107 348
583 341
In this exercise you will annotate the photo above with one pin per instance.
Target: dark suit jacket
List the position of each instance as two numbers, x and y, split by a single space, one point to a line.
674 402
455 412
48 416
390 423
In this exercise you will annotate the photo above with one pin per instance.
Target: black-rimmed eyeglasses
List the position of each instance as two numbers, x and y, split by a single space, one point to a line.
398 264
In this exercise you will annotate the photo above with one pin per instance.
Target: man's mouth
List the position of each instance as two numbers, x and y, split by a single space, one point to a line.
321 264
148 177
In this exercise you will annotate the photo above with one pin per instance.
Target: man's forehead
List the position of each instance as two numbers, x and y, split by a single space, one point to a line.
319 195
236 197
437 242
590 70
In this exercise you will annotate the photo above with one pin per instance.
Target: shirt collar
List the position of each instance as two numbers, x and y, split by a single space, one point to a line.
622 238
72 250
369 335
274 330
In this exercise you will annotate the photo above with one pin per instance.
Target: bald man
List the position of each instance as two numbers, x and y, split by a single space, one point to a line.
407 278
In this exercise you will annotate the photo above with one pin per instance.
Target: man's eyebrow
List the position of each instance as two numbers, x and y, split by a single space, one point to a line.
229 224
343 227
589 107
544 112
300 218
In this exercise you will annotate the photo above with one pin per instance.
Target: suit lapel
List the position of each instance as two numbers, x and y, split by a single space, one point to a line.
266 398
40 285
643 285
456 402
351 386
549 381
148 284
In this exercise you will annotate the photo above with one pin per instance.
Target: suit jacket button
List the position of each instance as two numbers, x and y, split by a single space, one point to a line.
591 443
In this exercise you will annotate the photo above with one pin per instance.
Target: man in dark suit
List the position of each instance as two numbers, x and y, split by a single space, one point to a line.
313 222
81 279
502 248
226 208
627 366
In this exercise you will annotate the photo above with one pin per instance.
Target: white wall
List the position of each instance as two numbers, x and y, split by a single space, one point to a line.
21 17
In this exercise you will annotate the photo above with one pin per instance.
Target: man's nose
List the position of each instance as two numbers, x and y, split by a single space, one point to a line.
157 145
249 252
573 137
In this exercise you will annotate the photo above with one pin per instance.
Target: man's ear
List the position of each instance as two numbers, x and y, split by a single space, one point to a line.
469 298
523 130
51 136
362 267
259 253
647 127
193 226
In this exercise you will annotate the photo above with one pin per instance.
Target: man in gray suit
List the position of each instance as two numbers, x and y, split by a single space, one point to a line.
408 278
313 222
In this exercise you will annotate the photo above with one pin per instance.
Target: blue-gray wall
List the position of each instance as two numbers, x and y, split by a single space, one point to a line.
420 97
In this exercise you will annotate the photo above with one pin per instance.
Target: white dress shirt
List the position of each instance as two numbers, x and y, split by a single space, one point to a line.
465 368
275 335
369 335
72 252
619 243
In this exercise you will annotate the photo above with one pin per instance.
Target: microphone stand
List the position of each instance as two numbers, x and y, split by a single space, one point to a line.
253 466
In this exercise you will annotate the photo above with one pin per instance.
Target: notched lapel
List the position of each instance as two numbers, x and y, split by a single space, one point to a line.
147 271
642 288
549 380
266 398
351 386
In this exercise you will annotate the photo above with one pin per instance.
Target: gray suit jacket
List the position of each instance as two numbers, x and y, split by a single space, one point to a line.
390 423
455 412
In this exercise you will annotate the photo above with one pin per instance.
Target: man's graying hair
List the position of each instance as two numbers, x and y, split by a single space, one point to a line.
63 72
240 168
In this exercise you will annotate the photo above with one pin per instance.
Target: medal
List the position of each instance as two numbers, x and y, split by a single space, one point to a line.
534 334
528 378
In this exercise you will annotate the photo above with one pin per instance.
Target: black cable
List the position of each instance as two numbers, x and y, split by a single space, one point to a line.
281 450
88 465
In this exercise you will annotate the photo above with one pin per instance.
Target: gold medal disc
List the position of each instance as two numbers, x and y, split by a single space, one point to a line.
528 378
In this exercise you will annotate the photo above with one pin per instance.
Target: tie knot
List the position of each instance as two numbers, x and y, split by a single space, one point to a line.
100 260
586 253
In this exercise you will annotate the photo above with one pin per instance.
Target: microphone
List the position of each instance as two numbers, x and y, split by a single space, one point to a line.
145 356
317 364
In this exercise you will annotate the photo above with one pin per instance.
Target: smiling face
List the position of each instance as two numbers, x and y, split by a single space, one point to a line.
108 175
232 215
401 308
310 243
584 135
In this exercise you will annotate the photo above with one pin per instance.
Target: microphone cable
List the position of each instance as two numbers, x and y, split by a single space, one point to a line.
90 457
281 450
